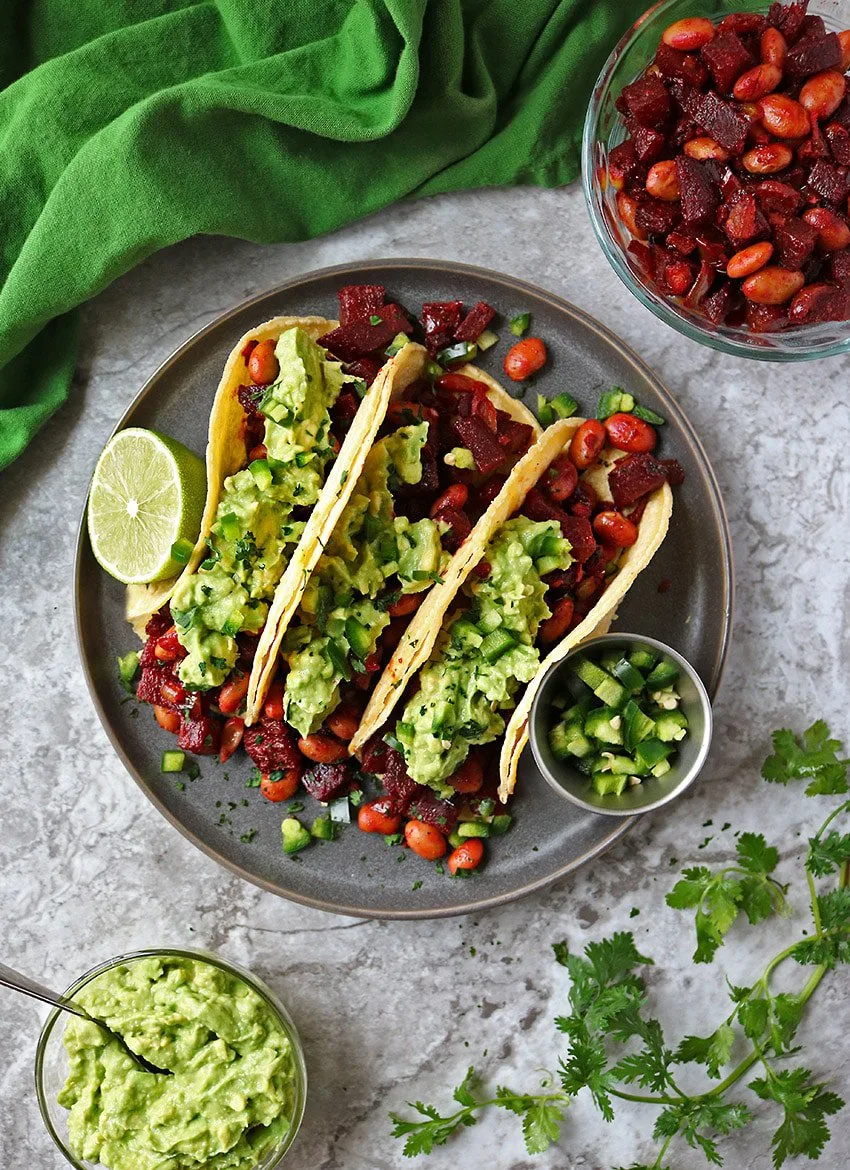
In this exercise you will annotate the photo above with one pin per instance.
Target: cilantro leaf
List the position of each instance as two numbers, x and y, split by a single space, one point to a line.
586 1067
755 855
463 1093
814 756
541 1124
805 1106
826 854
714 1051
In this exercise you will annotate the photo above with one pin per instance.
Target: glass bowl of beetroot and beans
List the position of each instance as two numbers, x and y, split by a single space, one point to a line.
717 172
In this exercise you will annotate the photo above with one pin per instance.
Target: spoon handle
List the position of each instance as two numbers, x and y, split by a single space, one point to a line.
18 982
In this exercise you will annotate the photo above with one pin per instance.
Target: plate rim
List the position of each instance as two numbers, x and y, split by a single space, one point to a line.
441 268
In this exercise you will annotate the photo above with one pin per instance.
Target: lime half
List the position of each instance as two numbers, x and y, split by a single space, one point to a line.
147 495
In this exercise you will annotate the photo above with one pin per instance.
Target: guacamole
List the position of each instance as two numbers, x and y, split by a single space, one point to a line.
255 532
485 652
344 608
231 1096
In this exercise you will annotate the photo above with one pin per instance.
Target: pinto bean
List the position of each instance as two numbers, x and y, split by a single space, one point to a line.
281 789
587 442
168 720
768 159
823 94
833 231
662 182
231 737
757 82
614 528
344 721
749 260
273 706
554 627
626 432
232 693
774 47
772 286
469 855
783 116
263 366
688 34
425 840
322 749
375 816
704 147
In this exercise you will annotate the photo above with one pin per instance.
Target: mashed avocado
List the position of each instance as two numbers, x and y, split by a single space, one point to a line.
231 1097
483 654
253 535
343 612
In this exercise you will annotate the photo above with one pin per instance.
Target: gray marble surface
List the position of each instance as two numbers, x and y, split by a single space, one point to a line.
391 1011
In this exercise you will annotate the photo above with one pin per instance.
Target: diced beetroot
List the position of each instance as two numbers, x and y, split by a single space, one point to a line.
366 368
250 398
649 144
475 322
623 163
514 436
788 18
483 408
842 114
579 533
795 242
713 248
439 320
699 289
374 757
151 680
687 66
724 122
326 781
766 318
815 146
359 302
344 410
686 96
838 137
583 501
816 303
699 195
774 195
360 338
685 242
479 439
727 57
730 184
813 53
634 477
271 745
684 130
674 274
201 736
812 25
459 527
647 101
399 786
831 182
642 255
839 264
536 506
744 221
718 305
655 217
743 23
489 490
426 806
675 474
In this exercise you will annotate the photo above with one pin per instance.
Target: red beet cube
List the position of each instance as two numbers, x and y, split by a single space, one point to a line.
766 318
655 217
150 683
201 736
271 746
439 320
634 477
674 471
674 274
647 101
774 195
538 507
360 338
812 54
719 304
725 123
459 527
685 242
727 57
477 436
426 806
649 144
514 436
686 66
326 781
839 264
475 322
398 784
795 242
359 302
366 368
743 23
842 114
700 197
816 303
838 137
743 219
579 533
788 18
830 182
623 163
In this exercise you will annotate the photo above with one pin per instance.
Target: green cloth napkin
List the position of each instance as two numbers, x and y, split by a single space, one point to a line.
127 125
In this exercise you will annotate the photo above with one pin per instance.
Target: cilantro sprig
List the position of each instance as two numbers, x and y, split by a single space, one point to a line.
617 1051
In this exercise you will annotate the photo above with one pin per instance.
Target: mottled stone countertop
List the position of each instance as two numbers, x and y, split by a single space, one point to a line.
390 1011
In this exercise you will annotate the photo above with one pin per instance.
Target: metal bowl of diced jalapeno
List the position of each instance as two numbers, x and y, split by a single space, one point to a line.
621 725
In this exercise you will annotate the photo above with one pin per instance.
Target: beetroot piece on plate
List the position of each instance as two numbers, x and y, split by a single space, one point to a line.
439 320
271 746
788 18
724 122
831 182
475 322
426 806
361 338
634 477
699 195
813 53
649 144
727 57
480 440
647 101
686 66
326 781
359 302
579 533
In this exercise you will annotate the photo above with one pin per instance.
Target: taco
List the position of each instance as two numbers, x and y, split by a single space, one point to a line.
545 568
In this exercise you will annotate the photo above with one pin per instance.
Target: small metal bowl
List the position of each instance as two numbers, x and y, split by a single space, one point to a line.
651 793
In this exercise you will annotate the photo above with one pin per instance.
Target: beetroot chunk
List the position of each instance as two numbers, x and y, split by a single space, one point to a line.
250 398
647 101
831 182
150 682
579 533
475 322
398 784
634 477
201 736
838 137
727 57
840 265
366 368
788 18
699 195
724 122
774 195
686 66
426 806
795 242
649 144
359 302
361 338
271 746
718 306
655 217
743 219
480 440
326 781
812 54
440 319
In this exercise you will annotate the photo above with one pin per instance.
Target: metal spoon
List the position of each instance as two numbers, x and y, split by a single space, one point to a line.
18 982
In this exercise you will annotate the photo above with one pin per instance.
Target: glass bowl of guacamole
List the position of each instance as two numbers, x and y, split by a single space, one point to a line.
233 1098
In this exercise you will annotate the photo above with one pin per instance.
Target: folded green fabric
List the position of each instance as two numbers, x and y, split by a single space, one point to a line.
127 125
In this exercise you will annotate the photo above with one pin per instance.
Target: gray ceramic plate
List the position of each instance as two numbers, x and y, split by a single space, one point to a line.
359 874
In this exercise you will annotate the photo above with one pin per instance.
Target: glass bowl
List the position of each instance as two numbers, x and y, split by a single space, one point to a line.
51 1064
604 129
